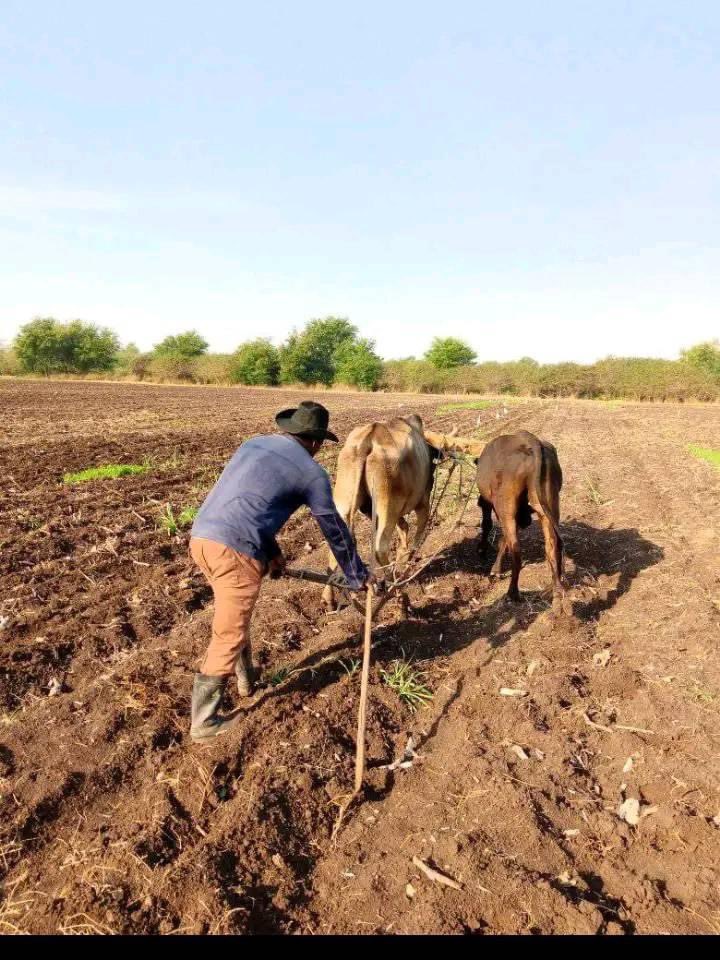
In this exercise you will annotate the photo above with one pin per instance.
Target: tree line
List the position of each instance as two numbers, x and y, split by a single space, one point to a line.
330 350
326 351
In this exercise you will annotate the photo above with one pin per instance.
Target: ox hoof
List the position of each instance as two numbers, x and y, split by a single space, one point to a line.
562 605
513 596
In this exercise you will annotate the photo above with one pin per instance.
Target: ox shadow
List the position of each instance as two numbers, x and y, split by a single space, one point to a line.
592 553
606 560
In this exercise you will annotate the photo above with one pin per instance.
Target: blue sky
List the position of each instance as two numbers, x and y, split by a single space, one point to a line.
540 179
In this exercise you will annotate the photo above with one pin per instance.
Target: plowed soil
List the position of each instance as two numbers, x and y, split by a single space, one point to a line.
111 820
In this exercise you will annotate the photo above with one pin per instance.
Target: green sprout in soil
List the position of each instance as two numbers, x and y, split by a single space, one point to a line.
173 462
406 683
275 679
350 666
110 471
707 454
592 484
187 516
172 524
702 696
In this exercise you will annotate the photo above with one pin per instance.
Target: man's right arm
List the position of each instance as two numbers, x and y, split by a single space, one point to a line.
322 506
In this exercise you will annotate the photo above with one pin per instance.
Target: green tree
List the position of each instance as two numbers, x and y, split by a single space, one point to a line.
38 346
705 356
310 356
182 346
88 348
448 352
46 346
358 365
256 363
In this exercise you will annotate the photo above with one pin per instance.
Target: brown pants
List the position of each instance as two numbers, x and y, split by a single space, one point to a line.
235 580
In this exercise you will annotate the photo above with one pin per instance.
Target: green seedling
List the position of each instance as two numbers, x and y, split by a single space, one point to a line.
110 471
406 683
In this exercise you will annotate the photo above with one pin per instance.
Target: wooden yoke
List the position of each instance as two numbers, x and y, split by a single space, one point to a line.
449 442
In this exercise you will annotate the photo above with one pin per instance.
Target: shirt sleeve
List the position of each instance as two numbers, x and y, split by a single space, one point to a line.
318 496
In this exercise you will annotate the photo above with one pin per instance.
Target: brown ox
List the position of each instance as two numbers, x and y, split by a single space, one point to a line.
392 464
518 475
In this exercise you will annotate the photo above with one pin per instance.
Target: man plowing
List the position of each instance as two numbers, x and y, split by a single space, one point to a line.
233 542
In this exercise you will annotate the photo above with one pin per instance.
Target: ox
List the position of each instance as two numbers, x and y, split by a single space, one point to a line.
392 464
518 475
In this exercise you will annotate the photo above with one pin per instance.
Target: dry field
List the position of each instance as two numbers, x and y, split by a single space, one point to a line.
111 820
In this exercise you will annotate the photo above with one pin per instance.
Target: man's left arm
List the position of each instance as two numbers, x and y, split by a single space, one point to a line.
322 506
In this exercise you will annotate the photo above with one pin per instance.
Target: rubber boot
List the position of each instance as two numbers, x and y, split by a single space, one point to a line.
206 699
245 672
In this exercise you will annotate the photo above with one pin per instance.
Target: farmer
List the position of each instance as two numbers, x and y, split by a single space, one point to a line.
233 543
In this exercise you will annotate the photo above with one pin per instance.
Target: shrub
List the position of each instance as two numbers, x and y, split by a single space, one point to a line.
614 378
705 357
170 368
9 363
141 366
416 376
310 356
212 368
126 359
358 365
47 346
187 345
448 352
256 363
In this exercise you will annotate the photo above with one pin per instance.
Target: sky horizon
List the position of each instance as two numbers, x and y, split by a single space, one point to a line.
540 182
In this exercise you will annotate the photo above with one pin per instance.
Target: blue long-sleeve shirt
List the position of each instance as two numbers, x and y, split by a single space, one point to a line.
265 482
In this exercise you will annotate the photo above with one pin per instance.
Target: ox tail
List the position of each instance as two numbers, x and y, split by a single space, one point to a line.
362 450
541 468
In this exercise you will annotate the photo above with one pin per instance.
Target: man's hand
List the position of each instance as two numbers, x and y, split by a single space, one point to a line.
276 567
377 583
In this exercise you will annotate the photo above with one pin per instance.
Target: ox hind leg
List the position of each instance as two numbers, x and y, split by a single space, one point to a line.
553 545
422 516
554 502
388 519
487 525
510 543
502 550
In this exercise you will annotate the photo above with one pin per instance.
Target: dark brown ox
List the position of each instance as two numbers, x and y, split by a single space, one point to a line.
518 475
392 463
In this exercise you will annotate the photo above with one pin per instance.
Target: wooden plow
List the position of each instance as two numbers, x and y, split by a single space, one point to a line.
375 601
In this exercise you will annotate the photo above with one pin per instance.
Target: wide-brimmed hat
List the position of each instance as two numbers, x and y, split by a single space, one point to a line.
308 420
